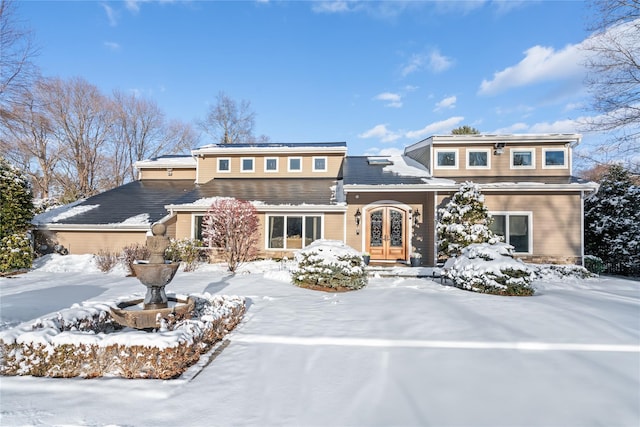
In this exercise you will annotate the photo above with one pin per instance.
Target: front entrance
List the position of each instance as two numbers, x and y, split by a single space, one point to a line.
386 233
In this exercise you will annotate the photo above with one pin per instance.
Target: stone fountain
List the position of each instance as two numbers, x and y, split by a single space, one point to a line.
155 274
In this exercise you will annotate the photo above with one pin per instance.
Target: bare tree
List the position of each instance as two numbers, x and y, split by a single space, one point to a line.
613 64
229 122
28 140
81 119
16 53
141 131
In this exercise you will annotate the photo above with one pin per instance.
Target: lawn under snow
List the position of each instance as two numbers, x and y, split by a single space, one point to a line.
401 351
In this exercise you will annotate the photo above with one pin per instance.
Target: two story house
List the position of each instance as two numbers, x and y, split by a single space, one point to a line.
384 205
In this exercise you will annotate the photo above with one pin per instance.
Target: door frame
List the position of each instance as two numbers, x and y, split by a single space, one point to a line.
408 229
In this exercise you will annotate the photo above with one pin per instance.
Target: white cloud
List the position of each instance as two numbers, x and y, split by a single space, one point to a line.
446 103
393 99
433 61
559 126
112 15
438 62
443 126
338 6
374 151
132 5
112 46
514 128
539 64
381 132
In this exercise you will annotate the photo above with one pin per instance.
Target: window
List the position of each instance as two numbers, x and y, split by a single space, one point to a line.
319 164
224 165
247 164
515 227
295 164
555 158
478 159
271 164
523 159
447 159
293 231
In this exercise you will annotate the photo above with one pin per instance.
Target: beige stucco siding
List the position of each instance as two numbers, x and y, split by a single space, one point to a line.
208 167
420 234
92 242
162 173
556 221
500 165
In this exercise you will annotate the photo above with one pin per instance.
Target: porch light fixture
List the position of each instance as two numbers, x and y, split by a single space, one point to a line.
416 217
358 217
499 148
170 171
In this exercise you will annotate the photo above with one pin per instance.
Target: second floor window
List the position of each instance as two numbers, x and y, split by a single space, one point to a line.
478 159
555 158
447 159
247 164
271 164
319 164
224 165
295 164
522 159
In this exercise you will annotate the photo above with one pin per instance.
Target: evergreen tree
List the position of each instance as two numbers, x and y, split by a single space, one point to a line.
16 212
612 221
463 221
465 130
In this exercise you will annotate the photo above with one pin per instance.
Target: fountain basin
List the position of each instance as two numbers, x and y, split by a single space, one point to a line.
155 277
129 313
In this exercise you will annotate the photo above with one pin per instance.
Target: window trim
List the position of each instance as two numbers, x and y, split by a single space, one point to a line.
513 151
479 150
529 215
253 164
313 163
218 165
436 151
266 159
304 216
544 158
289 163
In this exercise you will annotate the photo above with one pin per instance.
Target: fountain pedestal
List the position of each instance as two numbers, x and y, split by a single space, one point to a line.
155 274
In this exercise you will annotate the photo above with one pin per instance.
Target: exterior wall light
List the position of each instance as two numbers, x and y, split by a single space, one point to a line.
416 217
358 217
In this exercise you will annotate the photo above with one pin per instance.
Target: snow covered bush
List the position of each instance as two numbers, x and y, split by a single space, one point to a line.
491 269
190 252
105 260
594 264
612 221
463 221
329 265
133 252
85 341
16 212
232 225
15 252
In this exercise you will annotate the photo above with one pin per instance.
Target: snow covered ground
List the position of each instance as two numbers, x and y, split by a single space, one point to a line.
401 351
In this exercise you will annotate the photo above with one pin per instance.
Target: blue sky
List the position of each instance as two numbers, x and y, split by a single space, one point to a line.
378 75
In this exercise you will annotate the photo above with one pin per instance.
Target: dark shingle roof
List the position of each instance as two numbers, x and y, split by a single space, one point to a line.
358 171
271 191
129 200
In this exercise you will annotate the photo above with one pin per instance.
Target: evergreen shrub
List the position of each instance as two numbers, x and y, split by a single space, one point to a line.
191 252
15 252
491 269
594 264
329 265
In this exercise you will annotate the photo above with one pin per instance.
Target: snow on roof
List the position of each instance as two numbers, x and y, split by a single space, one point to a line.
62 212
405 166
166 161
